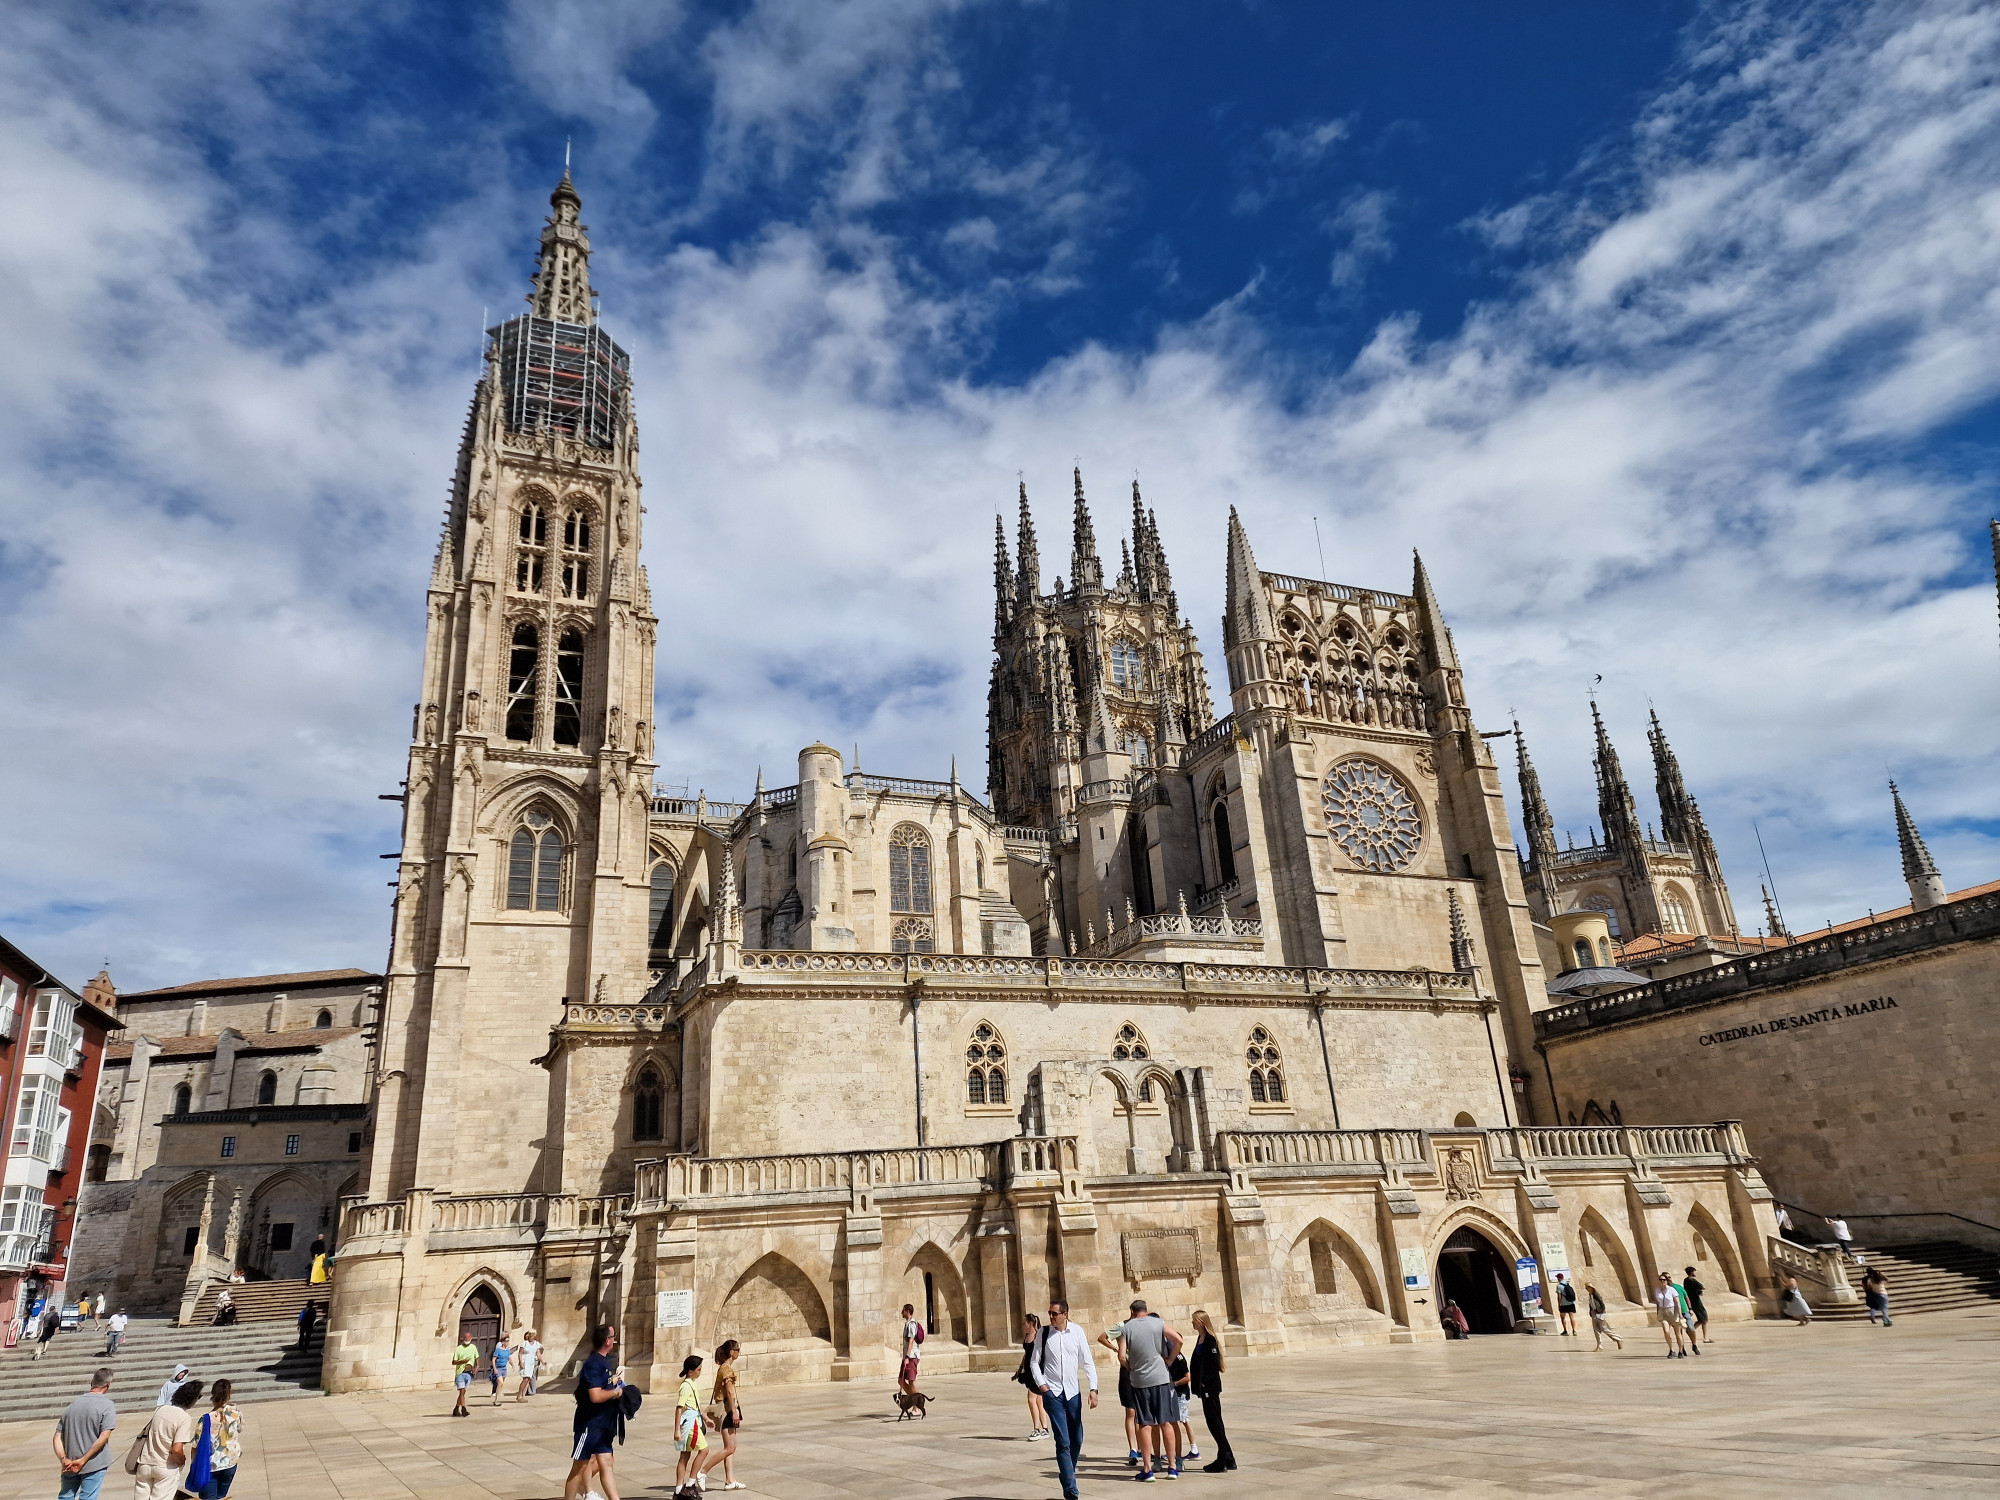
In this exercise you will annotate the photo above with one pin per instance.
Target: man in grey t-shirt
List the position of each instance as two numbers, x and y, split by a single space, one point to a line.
1149 1346
83 1435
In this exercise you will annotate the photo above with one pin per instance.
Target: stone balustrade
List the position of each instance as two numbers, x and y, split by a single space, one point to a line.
1620 1146
1165 926
1821 1272
504 1216
687 1179
1300 1148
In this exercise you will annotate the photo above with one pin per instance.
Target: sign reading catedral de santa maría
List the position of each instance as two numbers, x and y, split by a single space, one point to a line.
1799 1022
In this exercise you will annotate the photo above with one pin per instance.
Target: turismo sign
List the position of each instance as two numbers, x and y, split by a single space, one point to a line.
1798 1022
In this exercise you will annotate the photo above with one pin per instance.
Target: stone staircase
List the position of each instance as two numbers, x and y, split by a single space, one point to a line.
1932 1276
257 1358
260 1301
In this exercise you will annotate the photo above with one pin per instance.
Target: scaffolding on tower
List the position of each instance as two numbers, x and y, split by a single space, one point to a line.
563 377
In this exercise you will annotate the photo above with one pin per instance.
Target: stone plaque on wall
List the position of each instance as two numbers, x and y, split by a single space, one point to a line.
1162 1254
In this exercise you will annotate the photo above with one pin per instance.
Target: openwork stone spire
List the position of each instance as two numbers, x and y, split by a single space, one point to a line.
1615 806
1920 871
1003 580
1541 827
1086 571
1028 582
1461 934
562 274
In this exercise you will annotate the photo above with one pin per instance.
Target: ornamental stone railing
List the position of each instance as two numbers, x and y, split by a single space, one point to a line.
1624 1147
361 1219
1165 925
1311 1148
1221 732
1823 1270
676 1180
505 1216
1345 593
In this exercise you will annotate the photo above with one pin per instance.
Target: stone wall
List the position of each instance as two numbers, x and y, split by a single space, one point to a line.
1861 1065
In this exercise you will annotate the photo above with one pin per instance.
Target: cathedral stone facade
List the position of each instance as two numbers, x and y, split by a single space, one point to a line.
1230 1012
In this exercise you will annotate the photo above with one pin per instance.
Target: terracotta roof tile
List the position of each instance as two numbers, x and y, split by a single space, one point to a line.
250 982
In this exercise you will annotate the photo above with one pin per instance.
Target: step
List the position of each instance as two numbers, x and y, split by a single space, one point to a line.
259 1301
259 1362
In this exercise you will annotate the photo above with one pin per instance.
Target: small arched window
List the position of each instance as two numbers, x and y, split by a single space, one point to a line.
1146 1090
1129 1045
267 1087
647 1098
1583 958
1604 948
531 551
324 1021
985 1067
523 672
1225 849
576 555
660 910
1126 669
910 870
1267 1078
534 865
569 688
183 1099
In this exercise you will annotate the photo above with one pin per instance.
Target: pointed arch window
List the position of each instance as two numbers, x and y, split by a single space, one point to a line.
910 870
535 865
531 549
1127 668
267 1087
324 1021
985 1067
183 1099
912 935
524 664
1129 1045
569 688
647 1098
1225 847
1674 914
660 910
1267 1077
576 555
1136 745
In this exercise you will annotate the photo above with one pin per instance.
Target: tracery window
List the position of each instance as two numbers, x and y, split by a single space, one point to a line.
1127 669
1674 912
646 1101
1137 746
576 555
985 1067
1267 1078
911 935
531 551
523 671
1372 815
660 909
1129 1045
569 688
534 865
910 871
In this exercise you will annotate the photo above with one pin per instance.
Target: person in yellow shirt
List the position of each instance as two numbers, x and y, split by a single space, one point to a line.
463 1359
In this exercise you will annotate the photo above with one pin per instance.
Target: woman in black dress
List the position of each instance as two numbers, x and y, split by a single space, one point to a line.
1694 1289
1205 1366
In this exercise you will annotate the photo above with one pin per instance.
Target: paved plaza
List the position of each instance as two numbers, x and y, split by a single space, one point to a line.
1849 1410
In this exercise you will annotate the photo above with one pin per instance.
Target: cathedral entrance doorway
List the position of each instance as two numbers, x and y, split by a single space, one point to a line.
1475 1275
479 1323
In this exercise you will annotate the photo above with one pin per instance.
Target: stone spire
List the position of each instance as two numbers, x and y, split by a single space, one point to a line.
1246 613
1437 638
1920 871
1085 570
1677 811
1614 798
562 268
1461 933
1028 582
1541 828
1125 579
1003 580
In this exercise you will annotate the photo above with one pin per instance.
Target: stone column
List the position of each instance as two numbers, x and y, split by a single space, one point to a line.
1399 1224
861 1342
674 1271
1756 1225
997 1314
1254 1280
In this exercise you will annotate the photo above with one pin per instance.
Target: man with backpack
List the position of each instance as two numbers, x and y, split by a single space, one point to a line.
1059 1363
913 1350
601 1406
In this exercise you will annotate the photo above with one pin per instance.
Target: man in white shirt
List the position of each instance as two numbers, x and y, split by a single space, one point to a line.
115 1332
1061 1366
1843 1235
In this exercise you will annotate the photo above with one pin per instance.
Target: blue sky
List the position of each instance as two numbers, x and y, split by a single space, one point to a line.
1666 332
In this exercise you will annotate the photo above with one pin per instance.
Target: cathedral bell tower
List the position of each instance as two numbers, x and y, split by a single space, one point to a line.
523 870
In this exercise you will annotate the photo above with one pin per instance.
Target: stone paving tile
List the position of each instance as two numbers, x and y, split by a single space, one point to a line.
1864 1412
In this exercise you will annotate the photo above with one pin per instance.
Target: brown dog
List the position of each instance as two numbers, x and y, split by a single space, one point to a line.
912 1404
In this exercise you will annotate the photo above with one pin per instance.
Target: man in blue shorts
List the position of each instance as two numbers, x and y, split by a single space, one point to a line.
600 1392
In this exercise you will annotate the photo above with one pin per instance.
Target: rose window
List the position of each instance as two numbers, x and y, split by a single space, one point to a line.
1372 816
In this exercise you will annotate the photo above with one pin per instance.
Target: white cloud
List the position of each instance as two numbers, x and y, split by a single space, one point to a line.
1671 458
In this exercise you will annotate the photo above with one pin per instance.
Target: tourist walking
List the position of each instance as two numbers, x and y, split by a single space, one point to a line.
690 1438
1205 1366
1149 1346
1791 1301
224 1431
1842 1236
225 1309
1667 1299
1600 1323
527 1361
1565 1305
164 1448
497 1371
308 1315
728 1413
83 1437
464 1359
114 1332
1697 1310
171 1386
1038 1418
600 1395
50 1324
1875 1291
1113 1338
913 1350
1061 1365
